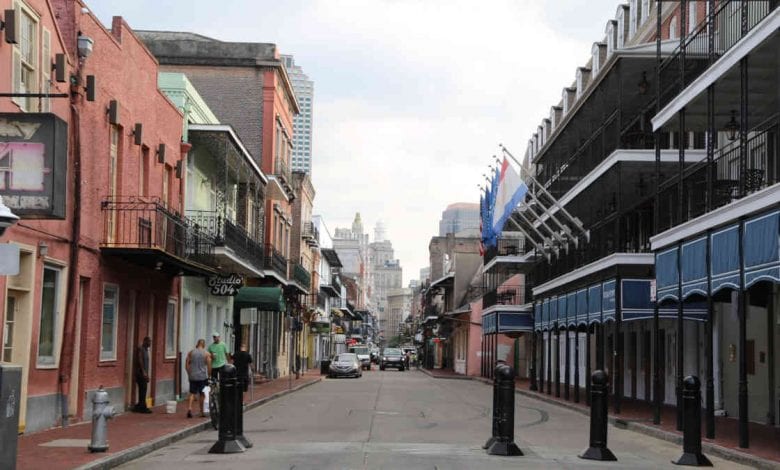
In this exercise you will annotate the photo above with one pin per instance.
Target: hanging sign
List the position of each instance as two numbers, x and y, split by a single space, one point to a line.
225 285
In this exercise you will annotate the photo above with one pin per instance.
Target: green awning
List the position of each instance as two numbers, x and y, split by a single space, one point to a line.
261 298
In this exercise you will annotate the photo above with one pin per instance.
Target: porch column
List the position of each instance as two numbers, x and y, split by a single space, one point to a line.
742 305
577 365
533 362
709 392
618 348
557 361
587 364
549 361
566 371
770 350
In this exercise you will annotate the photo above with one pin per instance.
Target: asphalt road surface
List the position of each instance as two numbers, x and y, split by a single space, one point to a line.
407 420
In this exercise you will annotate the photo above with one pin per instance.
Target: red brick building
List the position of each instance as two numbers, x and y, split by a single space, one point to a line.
95 282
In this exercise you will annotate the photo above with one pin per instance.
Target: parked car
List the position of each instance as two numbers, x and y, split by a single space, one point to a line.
345 365
392 357
363 355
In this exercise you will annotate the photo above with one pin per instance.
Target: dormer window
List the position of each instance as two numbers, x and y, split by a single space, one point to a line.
583 77
632 23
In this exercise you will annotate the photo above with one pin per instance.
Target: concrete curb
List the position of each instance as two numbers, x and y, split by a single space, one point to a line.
708 447
127 455
449 377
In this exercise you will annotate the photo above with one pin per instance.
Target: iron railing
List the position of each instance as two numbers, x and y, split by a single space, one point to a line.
275 260
321 299
281 169
145 223
506 295
301 275
310 233
505 247
230 235
733 19
732 177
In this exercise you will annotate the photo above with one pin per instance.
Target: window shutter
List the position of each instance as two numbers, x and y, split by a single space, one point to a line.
46 70
16 68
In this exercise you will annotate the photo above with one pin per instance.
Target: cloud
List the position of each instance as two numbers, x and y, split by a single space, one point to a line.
412 97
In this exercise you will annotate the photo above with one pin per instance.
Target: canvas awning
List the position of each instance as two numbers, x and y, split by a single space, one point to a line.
261 298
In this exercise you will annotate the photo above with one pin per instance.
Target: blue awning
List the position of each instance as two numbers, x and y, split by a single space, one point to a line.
724 245
594 304
666 275
513 322
538 316
553 311
562 311
582 306
545 314
488 323
571 309
608 302
694 267
762 253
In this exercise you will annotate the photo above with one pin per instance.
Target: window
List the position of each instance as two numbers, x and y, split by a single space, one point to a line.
8 331
113 171
170 329
108 324
692 19
143 182
25 57
673 28
47 338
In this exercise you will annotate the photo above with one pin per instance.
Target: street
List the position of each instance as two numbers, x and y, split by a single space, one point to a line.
407 420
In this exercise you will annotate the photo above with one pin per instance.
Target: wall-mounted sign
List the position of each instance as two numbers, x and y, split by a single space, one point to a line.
34 164
225 285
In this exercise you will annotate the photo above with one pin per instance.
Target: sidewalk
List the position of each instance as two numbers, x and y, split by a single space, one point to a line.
764 451
131 435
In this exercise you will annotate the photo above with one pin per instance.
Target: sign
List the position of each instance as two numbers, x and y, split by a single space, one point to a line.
225 285
33 164
9 259
652 290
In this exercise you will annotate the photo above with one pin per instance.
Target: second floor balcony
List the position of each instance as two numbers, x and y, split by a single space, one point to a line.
236 249
144 232
275 263
301 276
311 234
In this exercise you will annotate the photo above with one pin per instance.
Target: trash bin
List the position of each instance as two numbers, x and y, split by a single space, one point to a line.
324 366
10 393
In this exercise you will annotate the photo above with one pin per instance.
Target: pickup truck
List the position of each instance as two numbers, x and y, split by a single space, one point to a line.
363 354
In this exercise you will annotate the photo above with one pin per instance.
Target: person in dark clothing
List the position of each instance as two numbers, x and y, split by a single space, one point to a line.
141 374
243 362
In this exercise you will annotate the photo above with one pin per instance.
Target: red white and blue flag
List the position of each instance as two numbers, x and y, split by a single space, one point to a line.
510 192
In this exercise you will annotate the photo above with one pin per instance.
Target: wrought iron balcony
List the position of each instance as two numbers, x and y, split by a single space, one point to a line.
230 235
508 295
704 44
505 247
311 234
142 230
282 170
275 261
301 275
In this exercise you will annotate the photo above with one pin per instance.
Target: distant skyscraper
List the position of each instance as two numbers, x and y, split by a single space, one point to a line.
458 217
302 123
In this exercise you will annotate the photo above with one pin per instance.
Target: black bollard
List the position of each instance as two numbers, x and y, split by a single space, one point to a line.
599 392
504 420
240 415
691 395
228 388
494 430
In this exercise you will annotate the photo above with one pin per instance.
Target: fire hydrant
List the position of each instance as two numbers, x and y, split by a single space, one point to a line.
101 411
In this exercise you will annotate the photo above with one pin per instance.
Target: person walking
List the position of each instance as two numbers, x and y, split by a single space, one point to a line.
219 355
141 374
198 366
243 362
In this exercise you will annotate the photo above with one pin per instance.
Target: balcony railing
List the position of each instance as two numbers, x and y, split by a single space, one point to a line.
301 275
230 235
507 295
145 223
282 170
732 176
275 260
733 19
311 234
505 247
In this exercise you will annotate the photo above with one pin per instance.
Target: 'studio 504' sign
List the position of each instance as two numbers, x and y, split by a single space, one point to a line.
225 285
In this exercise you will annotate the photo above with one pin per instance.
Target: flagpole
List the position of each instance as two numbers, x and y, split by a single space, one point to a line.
557 204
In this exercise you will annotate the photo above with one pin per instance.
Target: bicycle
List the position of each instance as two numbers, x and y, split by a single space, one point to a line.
214 403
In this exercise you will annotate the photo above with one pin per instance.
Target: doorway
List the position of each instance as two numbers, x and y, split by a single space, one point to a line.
130 341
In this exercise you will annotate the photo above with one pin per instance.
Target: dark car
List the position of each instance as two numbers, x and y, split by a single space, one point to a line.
345 365
392 357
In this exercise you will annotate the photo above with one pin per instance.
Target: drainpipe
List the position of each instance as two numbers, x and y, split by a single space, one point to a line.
69 330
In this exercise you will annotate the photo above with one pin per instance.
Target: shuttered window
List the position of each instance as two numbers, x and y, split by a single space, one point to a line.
25 57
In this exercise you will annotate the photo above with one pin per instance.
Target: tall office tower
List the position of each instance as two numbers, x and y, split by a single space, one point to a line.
302 123
459 217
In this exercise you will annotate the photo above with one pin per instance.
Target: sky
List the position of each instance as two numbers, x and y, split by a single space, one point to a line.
411 97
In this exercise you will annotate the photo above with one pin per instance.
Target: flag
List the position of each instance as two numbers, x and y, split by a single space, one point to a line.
509 193
481 225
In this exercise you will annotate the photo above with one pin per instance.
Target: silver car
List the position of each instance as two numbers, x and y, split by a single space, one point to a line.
345 365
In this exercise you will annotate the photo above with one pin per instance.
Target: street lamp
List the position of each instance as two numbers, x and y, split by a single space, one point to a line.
732 127
7 218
